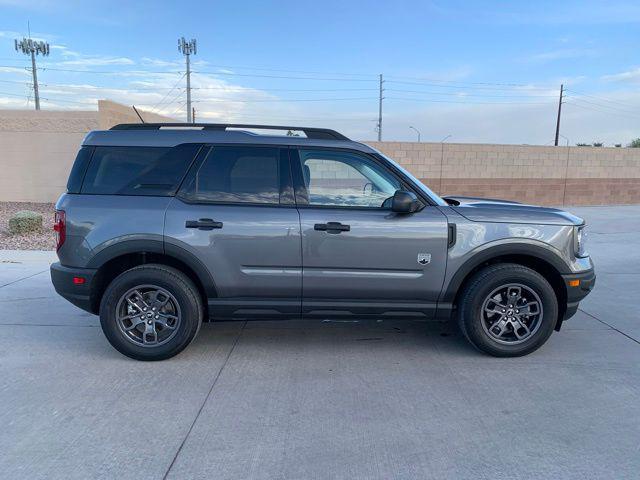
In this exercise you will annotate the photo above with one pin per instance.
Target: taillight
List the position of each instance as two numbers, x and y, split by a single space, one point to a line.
60 227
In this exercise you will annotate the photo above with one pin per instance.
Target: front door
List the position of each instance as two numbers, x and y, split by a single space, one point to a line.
235 213
359 258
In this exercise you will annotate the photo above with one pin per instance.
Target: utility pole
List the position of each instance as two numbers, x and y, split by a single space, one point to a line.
380 98
559 112
28 46
188 49
193 114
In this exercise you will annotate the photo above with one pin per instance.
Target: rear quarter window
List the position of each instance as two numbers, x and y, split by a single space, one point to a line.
155 171
74 184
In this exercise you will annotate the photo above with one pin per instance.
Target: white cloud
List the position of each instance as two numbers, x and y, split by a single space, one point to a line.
17 70
608 117
156 62
630 76
562 54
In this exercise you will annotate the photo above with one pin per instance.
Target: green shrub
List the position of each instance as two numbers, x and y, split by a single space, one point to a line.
25 221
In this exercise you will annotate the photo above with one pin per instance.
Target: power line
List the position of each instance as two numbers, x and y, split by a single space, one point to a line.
169 92
468 103
433 80
607 112
471 86
285 100
287 77
596 97
290 71
173 100
464 94
602 105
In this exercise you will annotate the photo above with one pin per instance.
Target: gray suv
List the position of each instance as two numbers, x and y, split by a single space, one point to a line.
164 226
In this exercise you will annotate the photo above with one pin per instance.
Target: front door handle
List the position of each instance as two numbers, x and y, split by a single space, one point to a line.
203 224
332 227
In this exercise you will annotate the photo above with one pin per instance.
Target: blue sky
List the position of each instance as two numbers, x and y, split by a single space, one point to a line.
482 71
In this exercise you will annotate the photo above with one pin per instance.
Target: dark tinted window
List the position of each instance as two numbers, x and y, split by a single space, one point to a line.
237 175
79 168
138 170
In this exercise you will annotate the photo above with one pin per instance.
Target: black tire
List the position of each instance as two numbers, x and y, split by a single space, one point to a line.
480 288
184 298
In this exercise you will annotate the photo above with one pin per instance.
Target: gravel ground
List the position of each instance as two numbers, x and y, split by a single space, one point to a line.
43 240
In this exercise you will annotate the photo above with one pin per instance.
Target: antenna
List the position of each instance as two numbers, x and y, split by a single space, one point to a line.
187 49
28 46
137 113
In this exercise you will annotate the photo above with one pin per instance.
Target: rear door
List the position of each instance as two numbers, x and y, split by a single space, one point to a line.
360 258
236 214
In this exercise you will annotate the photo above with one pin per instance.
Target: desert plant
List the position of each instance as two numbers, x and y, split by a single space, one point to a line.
635 143
25 221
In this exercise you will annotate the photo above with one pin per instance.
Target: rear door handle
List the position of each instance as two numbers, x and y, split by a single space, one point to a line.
203 224
332 227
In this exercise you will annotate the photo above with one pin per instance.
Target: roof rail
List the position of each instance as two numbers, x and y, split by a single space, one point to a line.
310 132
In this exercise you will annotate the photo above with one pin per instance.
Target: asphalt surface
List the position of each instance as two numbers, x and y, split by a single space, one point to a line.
324 400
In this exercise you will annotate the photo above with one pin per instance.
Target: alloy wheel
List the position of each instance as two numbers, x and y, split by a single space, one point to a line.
512 313
148 315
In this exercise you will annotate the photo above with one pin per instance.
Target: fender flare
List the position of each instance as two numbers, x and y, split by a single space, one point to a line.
155 245
450 290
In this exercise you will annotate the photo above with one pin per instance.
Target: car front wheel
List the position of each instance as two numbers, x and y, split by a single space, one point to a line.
507 310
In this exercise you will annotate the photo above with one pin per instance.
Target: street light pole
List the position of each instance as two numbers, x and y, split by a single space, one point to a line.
417 131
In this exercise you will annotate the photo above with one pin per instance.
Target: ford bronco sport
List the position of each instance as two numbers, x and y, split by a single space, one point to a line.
164 226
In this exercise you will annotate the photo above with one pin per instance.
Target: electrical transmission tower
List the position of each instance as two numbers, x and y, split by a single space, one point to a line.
28 46
188 49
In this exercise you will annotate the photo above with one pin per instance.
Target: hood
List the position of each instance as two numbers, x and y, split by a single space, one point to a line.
504 211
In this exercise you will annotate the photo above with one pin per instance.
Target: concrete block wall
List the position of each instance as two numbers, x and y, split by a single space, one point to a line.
532 174
37 150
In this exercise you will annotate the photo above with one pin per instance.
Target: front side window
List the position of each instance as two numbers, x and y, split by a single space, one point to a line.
232 174
138 170
345 179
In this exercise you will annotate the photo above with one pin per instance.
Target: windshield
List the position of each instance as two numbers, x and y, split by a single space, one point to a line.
427 191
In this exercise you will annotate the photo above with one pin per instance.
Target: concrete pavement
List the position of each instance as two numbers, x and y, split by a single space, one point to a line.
324 400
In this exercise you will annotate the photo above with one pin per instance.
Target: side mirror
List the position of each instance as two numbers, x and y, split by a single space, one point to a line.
404 202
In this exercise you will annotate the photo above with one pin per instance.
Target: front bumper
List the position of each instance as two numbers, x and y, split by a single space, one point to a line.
578 286
77 293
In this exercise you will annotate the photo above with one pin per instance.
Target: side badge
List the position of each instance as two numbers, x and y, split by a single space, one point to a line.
424 258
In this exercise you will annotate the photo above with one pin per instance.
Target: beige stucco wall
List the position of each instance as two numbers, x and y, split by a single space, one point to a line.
112 113
37 148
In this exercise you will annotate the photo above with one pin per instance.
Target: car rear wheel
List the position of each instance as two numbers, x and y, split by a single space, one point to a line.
151 312
507 310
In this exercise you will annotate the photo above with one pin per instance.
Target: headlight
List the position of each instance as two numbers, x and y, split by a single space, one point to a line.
579 240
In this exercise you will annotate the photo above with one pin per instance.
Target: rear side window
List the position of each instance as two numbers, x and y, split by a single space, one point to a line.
236 175
138 170
74 184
